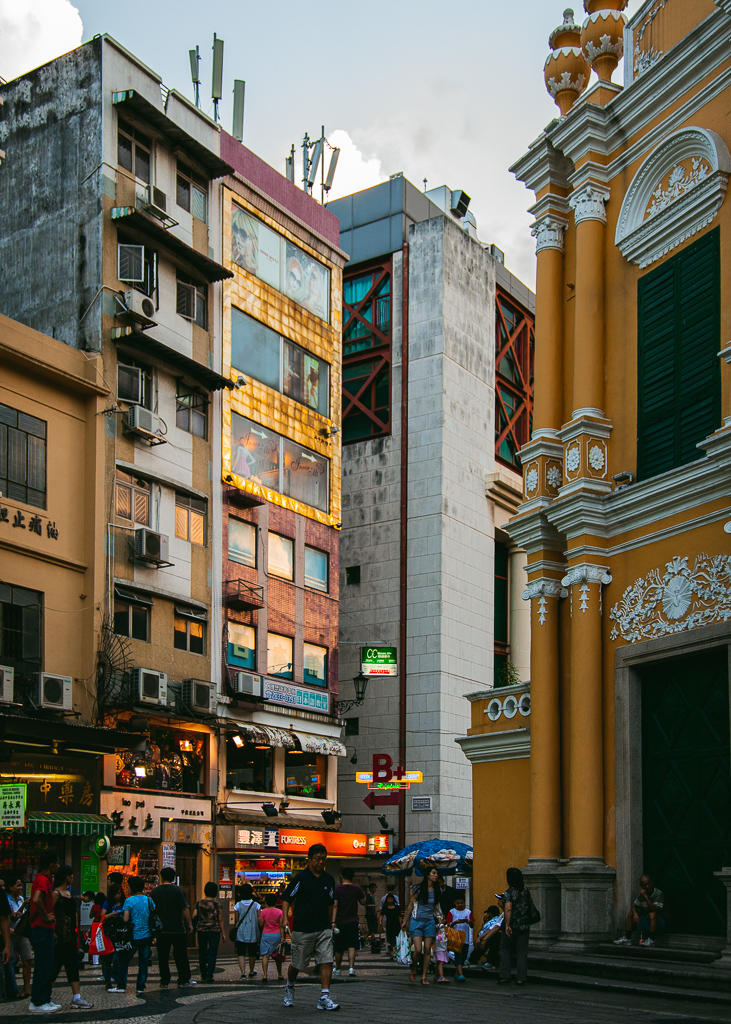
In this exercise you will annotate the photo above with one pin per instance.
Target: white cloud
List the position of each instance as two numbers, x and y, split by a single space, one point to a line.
32 32
355 171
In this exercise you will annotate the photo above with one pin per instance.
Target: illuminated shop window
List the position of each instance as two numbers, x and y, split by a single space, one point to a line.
305 774
249 766
173 760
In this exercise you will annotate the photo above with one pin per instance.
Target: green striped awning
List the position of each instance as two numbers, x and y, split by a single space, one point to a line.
56 823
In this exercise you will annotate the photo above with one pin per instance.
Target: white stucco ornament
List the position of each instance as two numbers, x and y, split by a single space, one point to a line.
531 480
554 477
679 599
676 192
596 458
549 233
573 459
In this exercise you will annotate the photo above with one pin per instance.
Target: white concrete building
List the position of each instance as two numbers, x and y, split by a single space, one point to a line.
420 574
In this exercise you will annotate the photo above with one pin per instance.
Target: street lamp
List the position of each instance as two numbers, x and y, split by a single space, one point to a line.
360 684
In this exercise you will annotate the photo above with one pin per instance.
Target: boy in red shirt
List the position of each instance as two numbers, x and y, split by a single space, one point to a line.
462 920
42 933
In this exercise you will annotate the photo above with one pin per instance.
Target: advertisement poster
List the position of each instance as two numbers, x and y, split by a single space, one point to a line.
168 855
255 247
306 281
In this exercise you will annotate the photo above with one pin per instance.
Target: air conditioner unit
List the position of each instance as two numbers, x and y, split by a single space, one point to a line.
156 201
140 308
200 695
245 682
149 686
150 546
7 675
53 692
142 421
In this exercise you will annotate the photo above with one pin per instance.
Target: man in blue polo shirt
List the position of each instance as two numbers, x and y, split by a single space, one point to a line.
312 892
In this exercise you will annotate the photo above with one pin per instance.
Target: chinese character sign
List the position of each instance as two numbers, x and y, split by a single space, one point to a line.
13 800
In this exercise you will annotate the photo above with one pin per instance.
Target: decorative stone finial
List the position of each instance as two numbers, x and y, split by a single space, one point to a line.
567 70
592 6
602 35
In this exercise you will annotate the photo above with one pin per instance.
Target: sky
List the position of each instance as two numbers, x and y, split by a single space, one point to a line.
452 93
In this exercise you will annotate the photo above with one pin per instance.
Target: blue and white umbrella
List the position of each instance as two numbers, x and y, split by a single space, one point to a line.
449 858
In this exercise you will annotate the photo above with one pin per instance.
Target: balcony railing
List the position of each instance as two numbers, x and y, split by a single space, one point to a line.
241 595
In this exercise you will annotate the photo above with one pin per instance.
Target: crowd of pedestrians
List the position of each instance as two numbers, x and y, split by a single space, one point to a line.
312 918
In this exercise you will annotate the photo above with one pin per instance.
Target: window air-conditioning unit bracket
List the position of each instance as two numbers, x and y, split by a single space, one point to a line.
154 202
148 686
144 424
53 692
137 308
199 696
150 547
246 684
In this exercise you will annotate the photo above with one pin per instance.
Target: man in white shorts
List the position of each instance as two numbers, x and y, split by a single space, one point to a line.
312 893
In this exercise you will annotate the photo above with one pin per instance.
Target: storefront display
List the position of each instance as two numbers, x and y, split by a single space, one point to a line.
173 761
249 766
305 774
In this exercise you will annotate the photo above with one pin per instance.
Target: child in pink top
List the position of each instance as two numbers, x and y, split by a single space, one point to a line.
270 922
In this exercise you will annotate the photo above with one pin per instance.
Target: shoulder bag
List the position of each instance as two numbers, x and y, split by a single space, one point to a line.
534 915
154 919
233 932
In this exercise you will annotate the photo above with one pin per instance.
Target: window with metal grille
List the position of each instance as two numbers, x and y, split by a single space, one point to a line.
678 372
191 411
132 499
20 630
134 150
192 301
514 348
190 519
22 457
192 193
367 332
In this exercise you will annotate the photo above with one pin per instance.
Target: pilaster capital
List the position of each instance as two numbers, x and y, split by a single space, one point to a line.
589 203
585 572
544 587
549 233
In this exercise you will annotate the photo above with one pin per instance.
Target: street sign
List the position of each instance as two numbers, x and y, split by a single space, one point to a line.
373 799
13 801
421 803
378 661
407 776
461 883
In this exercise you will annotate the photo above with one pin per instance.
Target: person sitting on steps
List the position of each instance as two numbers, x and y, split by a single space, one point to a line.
645 915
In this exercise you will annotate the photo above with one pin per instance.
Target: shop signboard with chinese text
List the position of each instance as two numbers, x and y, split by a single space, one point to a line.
13 801
298 841
57 783
379 844
143 814
296 696
187 832
378 661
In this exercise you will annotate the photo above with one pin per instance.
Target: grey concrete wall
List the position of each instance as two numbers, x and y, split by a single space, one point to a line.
450 533
50 216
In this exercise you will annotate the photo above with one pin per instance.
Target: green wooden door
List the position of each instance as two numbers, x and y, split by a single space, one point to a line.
686 787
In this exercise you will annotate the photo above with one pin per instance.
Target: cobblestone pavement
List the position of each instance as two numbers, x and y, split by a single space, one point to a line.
381 993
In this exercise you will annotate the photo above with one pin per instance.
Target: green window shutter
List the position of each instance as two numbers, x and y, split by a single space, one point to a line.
679 381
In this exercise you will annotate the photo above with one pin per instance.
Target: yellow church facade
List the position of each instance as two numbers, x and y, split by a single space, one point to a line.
622 764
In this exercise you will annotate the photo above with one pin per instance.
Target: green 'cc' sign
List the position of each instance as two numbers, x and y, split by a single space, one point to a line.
379 661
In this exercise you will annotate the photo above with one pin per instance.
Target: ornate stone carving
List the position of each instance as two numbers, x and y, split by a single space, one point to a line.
680 599
679 181
645 59
554 477
543 589
606 45
658 213
549 234
573 459
596 458
588 203
586 573
531 480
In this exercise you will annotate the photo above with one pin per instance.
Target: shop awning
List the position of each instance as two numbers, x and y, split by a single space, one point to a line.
53 823
321 745
261 734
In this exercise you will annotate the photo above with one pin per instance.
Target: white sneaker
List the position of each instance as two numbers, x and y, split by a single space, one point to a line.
79 1003
351 972
624 941
336 972
115 989
326 1003
43 1008
288 996
647 942
56 1006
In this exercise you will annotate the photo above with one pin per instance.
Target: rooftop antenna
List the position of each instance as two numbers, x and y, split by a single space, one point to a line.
328 183
239 93
425 184
315 161
289 166
217 79
195 73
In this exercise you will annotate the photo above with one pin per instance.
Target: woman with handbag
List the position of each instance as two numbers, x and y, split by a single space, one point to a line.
520 913
420 917
66 953
247 930
139 911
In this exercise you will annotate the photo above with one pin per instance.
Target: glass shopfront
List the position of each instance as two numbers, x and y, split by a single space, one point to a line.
249 766
173 761
305 774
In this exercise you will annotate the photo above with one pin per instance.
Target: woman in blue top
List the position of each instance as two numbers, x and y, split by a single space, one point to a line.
136 909
422 926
